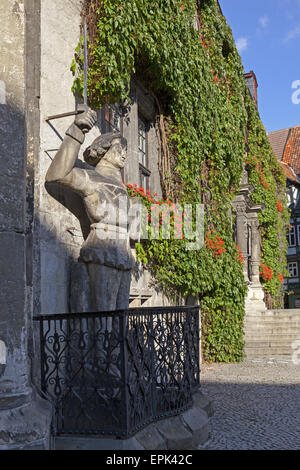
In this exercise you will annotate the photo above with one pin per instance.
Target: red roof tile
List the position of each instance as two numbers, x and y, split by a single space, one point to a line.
289 173
278 141
291 154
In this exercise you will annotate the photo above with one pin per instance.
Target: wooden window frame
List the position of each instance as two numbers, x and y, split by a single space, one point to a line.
290 234
144 171
295 267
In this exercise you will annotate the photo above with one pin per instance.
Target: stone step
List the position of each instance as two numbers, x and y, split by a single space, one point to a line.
275 330
269 358
272 321
263 317
294 312
263 351
287 338
271 333
260 329
272 343
288 311
269 325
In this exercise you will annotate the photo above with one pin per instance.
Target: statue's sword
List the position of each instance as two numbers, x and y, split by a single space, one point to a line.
85 64
85 72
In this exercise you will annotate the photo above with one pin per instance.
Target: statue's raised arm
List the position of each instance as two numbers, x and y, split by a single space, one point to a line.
62 169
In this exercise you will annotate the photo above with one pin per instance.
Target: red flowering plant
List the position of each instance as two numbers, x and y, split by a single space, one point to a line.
254 164
215 243
163 218
240 255
266 273
281 278
279 206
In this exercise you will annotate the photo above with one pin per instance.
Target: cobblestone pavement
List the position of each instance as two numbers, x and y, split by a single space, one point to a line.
257 405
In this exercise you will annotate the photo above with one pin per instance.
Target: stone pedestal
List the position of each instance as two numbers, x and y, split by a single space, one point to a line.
255 300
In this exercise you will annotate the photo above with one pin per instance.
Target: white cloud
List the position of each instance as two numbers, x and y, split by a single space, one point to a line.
242 44
263 21
292 34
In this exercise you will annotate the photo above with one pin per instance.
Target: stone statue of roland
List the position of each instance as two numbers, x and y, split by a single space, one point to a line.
106 251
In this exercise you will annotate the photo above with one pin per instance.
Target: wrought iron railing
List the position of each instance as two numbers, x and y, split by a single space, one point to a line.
113 373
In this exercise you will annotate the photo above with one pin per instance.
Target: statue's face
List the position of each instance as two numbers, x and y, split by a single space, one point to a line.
116 154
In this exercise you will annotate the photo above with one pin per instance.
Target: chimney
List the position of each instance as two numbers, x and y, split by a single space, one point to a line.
252 85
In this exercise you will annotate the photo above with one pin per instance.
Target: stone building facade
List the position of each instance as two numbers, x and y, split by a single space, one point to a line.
285 144
246 230
43 227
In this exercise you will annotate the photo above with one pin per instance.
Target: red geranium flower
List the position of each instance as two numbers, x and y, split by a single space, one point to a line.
279 206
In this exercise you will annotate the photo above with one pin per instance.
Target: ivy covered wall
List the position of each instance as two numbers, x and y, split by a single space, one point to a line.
184 53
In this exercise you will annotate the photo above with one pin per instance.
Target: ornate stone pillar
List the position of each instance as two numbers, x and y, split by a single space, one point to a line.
242 232
255 252
248 239
255 293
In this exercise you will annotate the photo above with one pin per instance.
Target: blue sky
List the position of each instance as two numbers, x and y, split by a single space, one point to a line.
267 34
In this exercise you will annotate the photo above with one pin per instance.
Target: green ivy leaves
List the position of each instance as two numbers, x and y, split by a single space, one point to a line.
198 75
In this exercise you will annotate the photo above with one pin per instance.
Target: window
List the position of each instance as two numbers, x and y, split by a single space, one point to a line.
293 269
295 194
234 229
298 231
111 119
292 236
145 173
292 195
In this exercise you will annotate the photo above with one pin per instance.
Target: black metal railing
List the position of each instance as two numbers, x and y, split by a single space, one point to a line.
113 373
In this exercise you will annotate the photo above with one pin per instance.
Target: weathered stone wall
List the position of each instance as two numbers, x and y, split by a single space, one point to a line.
24 420
12 199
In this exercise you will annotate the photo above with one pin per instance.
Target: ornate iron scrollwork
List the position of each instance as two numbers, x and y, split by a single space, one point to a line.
113 373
